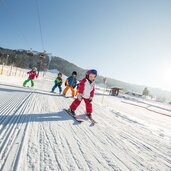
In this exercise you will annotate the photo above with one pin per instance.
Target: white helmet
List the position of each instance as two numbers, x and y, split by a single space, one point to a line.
34 69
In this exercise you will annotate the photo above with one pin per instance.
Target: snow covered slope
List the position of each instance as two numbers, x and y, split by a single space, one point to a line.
37 135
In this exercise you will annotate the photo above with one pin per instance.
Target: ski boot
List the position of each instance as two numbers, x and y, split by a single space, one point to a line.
71 112
89 115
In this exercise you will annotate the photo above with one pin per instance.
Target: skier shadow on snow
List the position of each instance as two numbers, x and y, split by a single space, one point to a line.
40 117
13 90
24 90
13 86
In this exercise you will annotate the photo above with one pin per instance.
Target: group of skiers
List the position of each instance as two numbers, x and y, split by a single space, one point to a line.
84 89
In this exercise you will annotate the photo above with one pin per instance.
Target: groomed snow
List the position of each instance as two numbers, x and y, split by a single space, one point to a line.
37 135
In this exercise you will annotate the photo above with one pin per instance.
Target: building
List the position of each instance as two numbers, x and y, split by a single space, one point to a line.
115 91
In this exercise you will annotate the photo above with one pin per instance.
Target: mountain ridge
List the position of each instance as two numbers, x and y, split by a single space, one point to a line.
10 56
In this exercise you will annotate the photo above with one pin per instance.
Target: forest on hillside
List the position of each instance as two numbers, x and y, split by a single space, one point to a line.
28 59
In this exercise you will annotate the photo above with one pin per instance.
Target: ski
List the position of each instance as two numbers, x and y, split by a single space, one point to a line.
74 117
52 92
93 122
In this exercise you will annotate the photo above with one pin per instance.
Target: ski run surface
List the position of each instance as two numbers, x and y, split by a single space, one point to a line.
37 135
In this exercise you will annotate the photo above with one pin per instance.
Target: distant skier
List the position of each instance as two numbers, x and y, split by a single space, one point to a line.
58 83
71 83
32 75
85 92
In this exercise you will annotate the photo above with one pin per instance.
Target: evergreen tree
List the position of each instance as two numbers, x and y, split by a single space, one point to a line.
145 92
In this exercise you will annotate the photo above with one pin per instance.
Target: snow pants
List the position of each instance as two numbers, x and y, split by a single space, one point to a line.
26 81
55 86
77 102
72 90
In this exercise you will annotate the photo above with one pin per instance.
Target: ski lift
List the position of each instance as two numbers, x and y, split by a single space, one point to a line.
42 55
30 53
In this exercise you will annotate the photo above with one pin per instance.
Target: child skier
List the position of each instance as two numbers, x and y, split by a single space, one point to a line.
58 83
71 83
85 92
32 75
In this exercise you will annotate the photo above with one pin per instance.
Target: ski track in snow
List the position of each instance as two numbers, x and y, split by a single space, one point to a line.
37 135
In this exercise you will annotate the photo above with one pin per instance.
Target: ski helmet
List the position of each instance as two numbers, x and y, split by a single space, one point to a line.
92 71
59 73
74 73
34 69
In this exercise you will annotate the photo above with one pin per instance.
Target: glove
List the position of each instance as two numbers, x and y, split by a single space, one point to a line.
79 97
57 80
90 99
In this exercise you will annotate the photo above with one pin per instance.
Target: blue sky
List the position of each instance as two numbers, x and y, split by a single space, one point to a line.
129 40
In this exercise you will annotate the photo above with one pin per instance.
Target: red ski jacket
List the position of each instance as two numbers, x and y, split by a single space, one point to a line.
32 74
86 88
